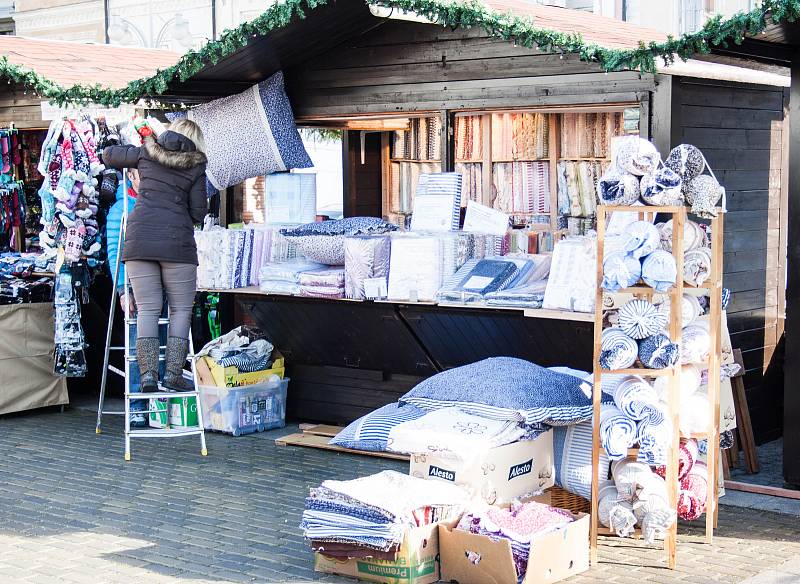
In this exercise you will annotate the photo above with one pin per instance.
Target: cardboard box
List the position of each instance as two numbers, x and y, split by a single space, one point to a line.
467 558
417 561
230 376
503 474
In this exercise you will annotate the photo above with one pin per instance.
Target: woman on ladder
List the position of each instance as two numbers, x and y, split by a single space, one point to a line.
159 251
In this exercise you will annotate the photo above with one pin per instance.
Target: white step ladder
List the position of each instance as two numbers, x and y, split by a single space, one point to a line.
163 393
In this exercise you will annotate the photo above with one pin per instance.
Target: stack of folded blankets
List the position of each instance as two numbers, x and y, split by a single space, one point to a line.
520 524
324 283
368 517
284 277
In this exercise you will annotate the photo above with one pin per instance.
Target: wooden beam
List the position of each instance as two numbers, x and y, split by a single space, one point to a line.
762 490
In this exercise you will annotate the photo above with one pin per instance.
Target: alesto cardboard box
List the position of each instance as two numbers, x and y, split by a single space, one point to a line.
505 473
467 558
416 562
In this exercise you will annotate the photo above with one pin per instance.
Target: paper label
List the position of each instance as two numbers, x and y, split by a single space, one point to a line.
433 213
478 282
375 288
483 219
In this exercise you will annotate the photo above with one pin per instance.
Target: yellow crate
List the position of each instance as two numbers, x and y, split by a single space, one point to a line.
230 376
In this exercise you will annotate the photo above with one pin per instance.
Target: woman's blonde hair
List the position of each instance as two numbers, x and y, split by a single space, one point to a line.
186 127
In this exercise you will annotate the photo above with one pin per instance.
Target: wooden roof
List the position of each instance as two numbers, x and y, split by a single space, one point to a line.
70 63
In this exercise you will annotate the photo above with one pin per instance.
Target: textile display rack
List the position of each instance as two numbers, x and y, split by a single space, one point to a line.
604 300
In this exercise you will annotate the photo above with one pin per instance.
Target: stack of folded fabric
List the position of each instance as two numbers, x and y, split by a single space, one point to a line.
527 289
476 278
520 524
284 277
324 283
640 244
369 516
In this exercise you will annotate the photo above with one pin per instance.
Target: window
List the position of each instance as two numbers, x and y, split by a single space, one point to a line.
693 14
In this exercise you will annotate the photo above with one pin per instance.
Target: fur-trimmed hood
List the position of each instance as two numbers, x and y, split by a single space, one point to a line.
174 150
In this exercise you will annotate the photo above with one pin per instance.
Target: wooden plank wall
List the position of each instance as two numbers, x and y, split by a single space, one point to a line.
24 110
403 66
739 128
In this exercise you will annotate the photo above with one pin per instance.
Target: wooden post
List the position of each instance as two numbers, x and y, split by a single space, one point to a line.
448 150
386 174
597 390
555 153
487 171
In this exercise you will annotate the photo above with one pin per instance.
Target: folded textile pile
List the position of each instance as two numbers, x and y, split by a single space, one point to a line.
284 277
324 283
452 433
323 241
365 257
520 524
486 275
374 512
572 284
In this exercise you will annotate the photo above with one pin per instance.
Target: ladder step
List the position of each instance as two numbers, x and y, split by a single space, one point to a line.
132 320
163 432
161 394
132 358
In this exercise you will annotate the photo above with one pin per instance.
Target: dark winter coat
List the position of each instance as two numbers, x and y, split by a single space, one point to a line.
172 197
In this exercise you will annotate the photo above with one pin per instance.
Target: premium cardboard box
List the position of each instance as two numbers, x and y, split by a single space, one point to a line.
503 474
468 558
417 561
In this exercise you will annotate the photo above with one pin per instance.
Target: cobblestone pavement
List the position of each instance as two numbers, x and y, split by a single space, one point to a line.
72 511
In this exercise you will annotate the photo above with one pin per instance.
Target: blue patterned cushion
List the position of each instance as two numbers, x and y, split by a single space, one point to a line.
371 432
349 226
505 388
572 457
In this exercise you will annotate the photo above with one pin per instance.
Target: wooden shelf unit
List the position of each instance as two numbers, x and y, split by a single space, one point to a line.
675 294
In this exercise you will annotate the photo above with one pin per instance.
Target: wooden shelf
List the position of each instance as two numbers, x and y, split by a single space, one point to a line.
414 160
587 159
476 161
640 371
670 210
508 160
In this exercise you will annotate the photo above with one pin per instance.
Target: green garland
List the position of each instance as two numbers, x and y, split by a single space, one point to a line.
717 32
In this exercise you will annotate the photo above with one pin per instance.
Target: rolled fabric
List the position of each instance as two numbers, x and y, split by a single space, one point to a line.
688 455
620 270
617 432
658 352
726 298
694 414
636 155
693 236
659 270
687 161
652 509
697 266
618 188
695 343
640 319
636 399
690 380
703 193
662 187
614 512
629 476
655 439
641 239
618 350
691 309
693 492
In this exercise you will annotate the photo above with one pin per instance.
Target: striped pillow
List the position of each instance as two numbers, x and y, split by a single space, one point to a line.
371 432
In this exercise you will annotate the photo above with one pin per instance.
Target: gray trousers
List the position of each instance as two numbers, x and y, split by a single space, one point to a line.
150 280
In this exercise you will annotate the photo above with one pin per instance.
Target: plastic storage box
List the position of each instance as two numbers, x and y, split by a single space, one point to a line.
246 409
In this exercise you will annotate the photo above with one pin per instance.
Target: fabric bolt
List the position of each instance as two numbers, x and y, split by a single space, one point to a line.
371 432
641 239
613 511
453 434
636 398
629 477
691 309
620 270
655 437
688 456
572 456
505 388
617 432
618 350
693 493
659 270
687 161
662 187
618 188
658 352
652 509
695 343
636 155
693 236
703 193
697 266
640 319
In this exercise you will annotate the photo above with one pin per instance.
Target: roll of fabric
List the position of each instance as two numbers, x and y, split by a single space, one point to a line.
620 270
629 477
658 352
687 161
636 155
617 432
694 414
697 266
690 379
695 343
618 350
636 399
655 438
614 512
641 239
693 492
691 309
693 236
662 187
652 509
618 188
640 319
688 455
659 270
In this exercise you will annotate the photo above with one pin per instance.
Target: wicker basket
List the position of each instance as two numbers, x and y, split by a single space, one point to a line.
566 500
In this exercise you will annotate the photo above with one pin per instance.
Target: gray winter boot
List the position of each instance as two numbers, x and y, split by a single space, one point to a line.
177 349
147 357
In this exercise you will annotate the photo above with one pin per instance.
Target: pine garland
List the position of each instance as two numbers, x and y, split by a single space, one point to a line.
522 31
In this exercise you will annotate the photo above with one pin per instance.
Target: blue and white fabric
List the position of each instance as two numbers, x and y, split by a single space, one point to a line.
655 439
641 238
618 188
695 343
659 270
662 187
323 241
640 319
505 388
658 352
636 398
620 270
371 432
250 134
613 511
636 155
572 455
617 432
617 350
